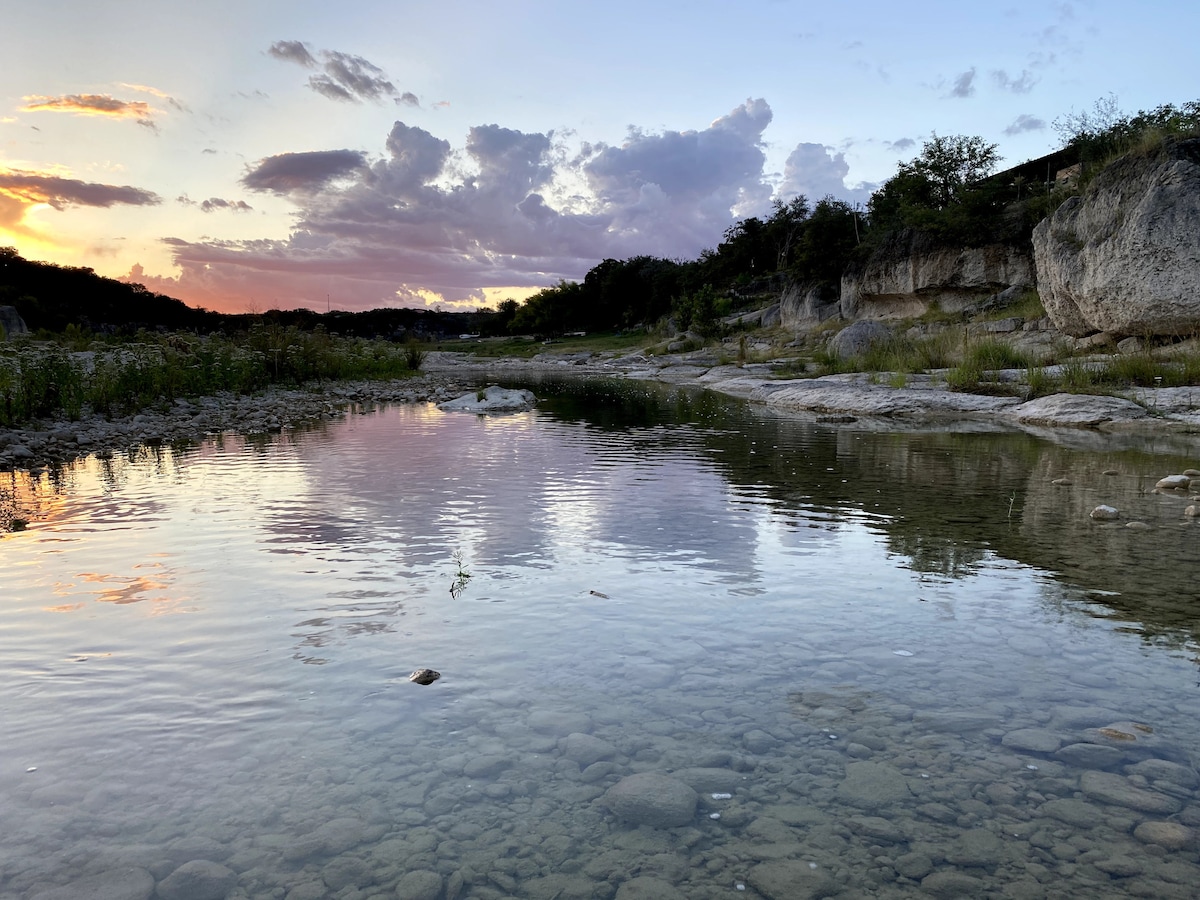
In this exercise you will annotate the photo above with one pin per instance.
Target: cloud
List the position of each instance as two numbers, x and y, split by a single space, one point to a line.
344 76
155 92
964 84
292 51
287 173
515 210
1025 123
214 203
102 105
20 190
1022 85
902 145
816 171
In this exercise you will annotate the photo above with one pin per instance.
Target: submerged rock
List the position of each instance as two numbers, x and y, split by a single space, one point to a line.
128 883
200 879
650 798
1119 791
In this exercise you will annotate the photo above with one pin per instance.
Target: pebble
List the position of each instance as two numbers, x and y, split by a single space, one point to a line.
1104 513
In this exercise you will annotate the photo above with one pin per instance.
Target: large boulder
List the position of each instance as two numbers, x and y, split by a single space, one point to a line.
1123 257
857 338
910 272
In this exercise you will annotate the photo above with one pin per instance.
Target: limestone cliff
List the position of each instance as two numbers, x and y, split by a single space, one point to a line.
1124 257
910 272
807 305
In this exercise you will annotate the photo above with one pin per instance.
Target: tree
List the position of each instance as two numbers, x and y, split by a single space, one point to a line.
951 165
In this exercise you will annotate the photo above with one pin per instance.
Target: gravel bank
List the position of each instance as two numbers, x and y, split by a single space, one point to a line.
50 443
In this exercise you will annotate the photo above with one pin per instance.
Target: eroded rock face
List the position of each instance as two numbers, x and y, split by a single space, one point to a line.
905 276
807 305
1123 258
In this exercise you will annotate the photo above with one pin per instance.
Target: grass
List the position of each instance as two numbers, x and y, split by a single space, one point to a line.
42 380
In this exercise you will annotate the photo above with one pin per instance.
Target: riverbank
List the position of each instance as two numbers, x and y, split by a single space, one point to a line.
50 443
861 399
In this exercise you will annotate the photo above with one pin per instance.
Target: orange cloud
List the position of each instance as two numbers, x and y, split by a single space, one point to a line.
103 105
22 190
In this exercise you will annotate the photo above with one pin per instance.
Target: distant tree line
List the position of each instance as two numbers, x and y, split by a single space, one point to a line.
54 298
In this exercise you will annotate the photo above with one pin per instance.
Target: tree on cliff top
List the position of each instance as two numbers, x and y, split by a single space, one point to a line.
941 190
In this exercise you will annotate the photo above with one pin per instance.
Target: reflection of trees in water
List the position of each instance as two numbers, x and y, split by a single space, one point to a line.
933 554
946 499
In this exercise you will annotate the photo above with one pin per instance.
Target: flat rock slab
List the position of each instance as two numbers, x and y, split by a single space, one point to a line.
649 798
492 400
1078 410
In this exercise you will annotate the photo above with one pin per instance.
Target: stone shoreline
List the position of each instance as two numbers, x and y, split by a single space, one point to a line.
837 399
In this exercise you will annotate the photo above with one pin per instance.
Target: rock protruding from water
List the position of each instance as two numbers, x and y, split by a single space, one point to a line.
650 798
493 399
1123 257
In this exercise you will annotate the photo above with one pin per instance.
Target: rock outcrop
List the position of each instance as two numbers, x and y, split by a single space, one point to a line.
807 305
11 322
910 272
1123 258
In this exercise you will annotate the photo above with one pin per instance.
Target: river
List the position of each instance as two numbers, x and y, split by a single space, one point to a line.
888 664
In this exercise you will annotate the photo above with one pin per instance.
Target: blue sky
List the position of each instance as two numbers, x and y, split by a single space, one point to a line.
247 155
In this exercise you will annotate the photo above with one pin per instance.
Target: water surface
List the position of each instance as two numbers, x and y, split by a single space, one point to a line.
912 660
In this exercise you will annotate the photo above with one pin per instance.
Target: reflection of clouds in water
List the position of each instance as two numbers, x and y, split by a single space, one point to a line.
123 588
519 489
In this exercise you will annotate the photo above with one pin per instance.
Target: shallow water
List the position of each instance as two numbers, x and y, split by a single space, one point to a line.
912 660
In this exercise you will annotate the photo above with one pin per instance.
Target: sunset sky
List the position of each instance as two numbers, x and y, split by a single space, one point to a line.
257 154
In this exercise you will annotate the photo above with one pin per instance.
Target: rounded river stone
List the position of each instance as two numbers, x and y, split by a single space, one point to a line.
649 798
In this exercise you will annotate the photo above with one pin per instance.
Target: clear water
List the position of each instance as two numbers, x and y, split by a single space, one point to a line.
876 643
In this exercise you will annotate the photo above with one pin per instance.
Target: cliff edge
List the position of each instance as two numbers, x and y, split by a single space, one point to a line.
1124 257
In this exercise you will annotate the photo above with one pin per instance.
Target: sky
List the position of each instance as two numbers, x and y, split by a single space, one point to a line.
258 154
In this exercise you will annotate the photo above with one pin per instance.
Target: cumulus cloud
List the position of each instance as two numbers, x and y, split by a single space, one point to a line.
20 190
103 105
964 84
816 171
287 173
343 76
1023 123
510 209
902 145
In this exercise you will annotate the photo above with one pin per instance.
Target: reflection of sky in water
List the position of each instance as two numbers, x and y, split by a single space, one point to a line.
257 607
